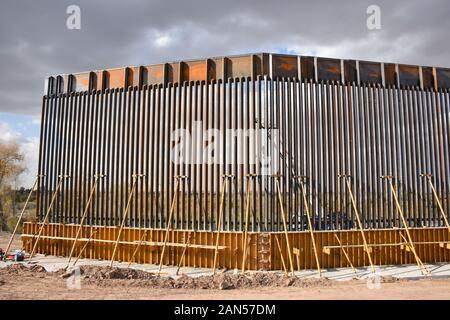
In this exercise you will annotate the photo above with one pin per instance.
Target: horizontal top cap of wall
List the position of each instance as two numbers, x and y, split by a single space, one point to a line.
304 68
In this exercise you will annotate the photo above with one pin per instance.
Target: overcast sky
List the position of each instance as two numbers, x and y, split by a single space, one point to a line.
35 42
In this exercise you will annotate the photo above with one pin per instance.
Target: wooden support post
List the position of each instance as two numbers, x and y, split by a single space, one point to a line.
85 246
368 250
58 186
301 179
247 210
225 178
20 217
137 248
281 255
125 214
291 263
187 242
169 220
421 266
345 252
438 201
91 196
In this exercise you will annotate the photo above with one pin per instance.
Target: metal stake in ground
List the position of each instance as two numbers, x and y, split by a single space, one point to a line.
91 196
277 181
302 179
125 214
441 208
225 178
21 215
58 186
247 210
169 220
367 249
402 216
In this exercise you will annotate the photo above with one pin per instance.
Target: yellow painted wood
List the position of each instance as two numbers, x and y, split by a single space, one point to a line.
60 180
386 251
310 227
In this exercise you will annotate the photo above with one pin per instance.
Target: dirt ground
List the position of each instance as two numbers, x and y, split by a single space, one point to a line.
24 282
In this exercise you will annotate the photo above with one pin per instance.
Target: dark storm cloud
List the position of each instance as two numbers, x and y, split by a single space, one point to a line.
35 43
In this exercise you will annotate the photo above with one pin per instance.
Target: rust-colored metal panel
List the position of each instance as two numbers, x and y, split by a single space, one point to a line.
390 75
284 66
427 78
155 74
328 69
253 65
117 78
409 76
238 67
370 72
443 77
350 71
194 70
308 70
81 82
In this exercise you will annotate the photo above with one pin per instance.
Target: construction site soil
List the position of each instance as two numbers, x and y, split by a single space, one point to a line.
113 276
19 281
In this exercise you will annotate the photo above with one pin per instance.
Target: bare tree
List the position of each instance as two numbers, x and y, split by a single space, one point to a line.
11 166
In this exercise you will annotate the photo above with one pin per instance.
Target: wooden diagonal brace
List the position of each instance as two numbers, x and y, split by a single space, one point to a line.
21 215
360 226
125 214
291 260
247 210
49 209
421 266
169 220
436 197
225 179
83 217
301 180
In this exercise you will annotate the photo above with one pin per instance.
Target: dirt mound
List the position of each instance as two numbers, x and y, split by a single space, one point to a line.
100 273
105 276
109 277
21 269
255 280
